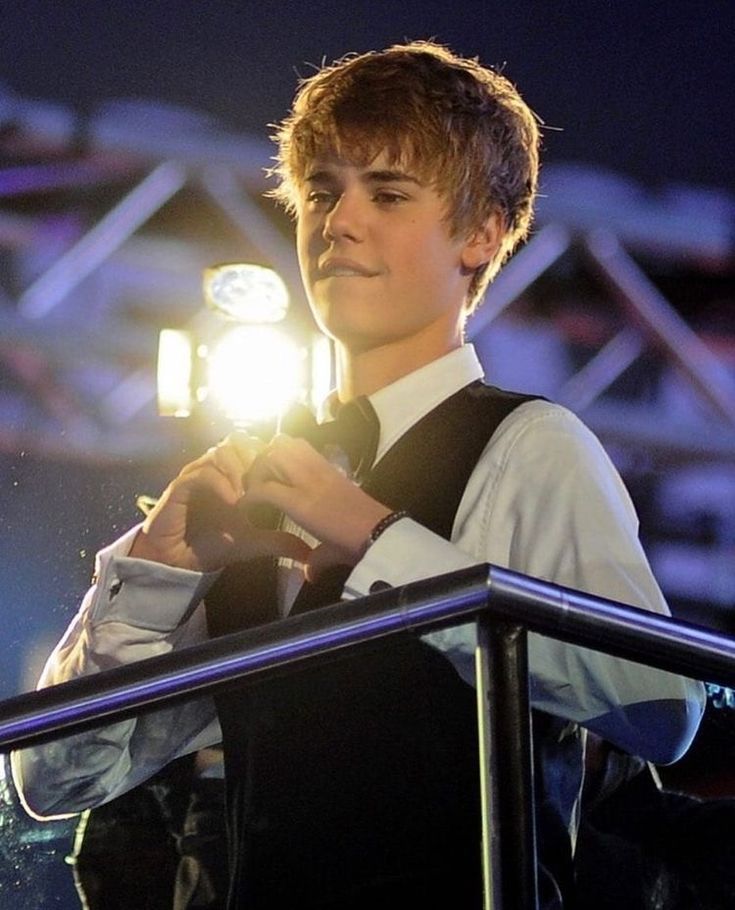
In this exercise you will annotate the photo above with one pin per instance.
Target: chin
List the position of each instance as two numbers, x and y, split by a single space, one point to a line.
343 320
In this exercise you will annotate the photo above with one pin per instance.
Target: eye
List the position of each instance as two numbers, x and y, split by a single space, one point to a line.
320 197
388 197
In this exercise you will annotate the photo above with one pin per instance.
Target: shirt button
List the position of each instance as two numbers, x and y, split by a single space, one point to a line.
377 586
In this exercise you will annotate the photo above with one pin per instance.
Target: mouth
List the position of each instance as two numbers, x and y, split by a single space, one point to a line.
343 268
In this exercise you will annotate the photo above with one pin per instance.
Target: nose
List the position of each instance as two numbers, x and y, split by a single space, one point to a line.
345 220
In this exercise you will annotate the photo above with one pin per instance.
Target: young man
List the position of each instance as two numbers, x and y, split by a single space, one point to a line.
411 173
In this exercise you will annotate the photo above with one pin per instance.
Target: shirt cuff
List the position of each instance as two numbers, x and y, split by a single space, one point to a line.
143 593
404 553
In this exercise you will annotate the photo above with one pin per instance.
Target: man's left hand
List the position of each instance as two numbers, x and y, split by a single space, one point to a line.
294 478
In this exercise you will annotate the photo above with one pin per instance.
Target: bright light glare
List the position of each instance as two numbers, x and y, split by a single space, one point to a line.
245 293
174 373
321 369
255 372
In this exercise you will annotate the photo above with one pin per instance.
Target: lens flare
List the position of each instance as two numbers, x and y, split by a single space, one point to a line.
174 373
254 373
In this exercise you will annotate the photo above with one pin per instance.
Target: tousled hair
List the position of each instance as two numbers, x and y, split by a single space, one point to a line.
462 126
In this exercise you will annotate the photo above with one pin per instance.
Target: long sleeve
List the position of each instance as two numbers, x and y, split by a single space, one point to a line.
543 500
135 609
546 501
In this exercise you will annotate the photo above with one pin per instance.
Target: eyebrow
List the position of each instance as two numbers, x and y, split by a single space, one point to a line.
381 176
390 177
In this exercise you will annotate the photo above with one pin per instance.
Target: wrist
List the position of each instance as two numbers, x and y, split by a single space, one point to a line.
143 548
357 531
382 526
386 520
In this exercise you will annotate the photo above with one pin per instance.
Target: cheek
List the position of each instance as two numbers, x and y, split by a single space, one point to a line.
302 245
416 253
308 238
431 260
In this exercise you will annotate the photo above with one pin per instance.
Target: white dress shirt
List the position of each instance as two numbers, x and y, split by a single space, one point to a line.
544 500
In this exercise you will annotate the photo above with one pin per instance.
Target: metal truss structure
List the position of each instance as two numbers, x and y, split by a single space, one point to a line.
107 222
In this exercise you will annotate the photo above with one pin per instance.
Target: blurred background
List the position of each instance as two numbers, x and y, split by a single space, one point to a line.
133 148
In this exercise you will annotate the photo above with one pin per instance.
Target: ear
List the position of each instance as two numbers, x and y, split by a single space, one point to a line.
483 244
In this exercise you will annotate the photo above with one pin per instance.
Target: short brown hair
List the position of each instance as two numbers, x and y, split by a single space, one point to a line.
463 126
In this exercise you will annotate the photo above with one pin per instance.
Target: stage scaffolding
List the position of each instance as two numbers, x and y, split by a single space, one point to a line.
93 226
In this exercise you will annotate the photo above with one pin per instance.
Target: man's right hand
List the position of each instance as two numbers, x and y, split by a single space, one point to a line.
199 522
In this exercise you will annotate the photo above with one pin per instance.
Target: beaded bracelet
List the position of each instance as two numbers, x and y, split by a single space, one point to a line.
384 524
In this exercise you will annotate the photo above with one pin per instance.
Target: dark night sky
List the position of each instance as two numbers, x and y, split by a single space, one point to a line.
643 87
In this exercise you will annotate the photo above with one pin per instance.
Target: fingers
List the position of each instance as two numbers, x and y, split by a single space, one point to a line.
286 461
195 523
223 467
203 518
289 475
292 477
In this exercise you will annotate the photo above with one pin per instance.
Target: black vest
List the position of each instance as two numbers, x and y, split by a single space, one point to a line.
355 784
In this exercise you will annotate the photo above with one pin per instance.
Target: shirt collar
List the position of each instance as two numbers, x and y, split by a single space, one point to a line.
402 403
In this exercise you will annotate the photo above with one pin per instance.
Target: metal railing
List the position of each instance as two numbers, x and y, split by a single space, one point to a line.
504 604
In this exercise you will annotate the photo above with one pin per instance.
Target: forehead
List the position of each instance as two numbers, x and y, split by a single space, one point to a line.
358 139
385 161
348 158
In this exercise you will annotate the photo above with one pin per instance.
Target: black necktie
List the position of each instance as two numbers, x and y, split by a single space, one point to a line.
355 430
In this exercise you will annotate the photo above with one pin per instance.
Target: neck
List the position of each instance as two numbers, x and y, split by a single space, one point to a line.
364 372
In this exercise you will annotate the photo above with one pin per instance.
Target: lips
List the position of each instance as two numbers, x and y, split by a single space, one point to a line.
343 268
